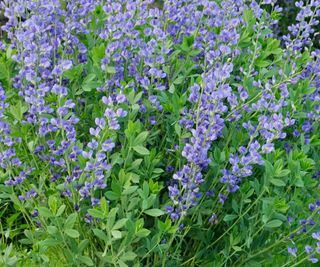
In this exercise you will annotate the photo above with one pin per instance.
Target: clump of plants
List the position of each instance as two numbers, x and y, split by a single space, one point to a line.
134 133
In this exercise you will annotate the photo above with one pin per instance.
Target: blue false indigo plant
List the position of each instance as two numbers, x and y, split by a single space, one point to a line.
184 133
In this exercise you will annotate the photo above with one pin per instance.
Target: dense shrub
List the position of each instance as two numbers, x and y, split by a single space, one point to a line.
181 133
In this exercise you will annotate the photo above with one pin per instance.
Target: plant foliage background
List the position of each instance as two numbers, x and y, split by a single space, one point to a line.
169 133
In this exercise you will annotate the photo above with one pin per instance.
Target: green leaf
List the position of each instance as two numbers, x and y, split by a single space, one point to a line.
128 256
72 233
217 154
61 210
100 234
171 88
272 44
116 234
262 63
299 182
45 212
248 15
96 213
140 139
90 77
136 164
18 110
194 52
130 190
122 264
49 242
280 205
83 244
253 263
237 248
179 80
177 129
282 173
31 145
154 212
119 224
70 221
143 232
3 71
111 70
137 97
86 260
308 90
52 202
89 82
74 73
269 169
158 171
111 217
52 230
98 53
112 196
229 217
277 182
273 224
141 150
187 43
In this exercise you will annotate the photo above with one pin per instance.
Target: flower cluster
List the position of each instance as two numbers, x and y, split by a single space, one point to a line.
204 120
305 228
100 146
301 33
45 38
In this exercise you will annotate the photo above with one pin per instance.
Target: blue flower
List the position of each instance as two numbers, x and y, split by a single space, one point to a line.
292 251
